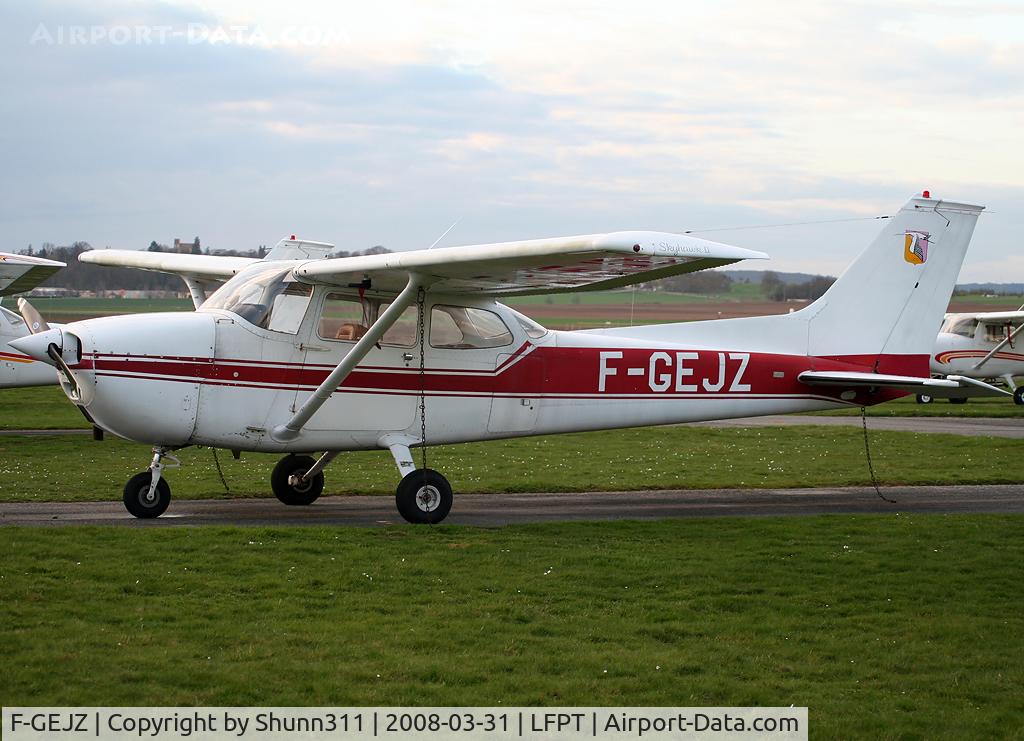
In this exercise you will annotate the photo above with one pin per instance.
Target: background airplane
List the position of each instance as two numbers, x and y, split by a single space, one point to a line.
982 345
20 273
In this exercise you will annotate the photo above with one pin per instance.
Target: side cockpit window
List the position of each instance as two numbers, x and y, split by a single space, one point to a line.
466 328
348 318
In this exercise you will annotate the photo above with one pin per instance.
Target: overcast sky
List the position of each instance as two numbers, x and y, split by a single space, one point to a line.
383 123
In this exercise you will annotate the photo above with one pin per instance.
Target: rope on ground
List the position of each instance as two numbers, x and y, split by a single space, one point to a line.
220 473
867 452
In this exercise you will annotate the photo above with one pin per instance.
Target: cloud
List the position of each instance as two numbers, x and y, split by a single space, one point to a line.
536 122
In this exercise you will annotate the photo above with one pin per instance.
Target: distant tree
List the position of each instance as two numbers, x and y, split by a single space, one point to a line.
771 283
704 282
262 251
153 247
195 247
809 290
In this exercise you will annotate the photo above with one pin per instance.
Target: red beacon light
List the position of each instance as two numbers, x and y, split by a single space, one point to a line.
293 236
926 194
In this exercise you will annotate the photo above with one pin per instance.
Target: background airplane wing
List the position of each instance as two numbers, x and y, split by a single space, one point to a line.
582 263
20 273
940 388
997 316
199 267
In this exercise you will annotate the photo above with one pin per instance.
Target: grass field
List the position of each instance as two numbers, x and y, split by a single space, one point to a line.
885 627
74 468
907 407
56 308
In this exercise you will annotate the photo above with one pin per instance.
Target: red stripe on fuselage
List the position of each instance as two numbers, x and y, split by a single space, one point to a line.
550 372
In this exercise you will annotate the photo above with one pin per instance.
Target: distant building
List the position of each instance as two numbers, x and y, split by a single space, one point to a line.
191 248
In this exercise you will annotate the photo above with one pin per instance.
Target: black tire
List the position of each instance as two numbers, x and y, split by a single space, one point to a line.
925 399
958 400
1018 395
136 492
424 497
291 495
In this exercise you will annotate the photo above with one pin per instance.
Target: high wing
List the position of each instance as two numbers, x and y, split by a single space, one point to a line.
20 273
942 388
590 262
203 273
197 267
997 317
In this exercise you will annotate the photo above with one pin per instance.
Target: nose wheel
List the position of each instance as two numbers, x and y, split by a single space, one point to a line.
147 494
144 500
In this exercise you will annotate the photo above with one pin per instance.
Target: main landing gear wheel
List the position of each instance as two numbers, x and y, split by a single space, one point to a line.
1018 395
139 501
286 485
424 497
925 399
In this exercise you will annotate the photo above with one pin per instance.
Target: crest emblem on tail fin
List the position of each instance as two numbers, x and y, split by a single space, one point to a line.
915 247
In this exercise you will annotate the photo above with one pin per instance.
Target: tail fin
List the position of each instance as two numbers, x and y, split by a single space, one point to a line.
890 301
883 312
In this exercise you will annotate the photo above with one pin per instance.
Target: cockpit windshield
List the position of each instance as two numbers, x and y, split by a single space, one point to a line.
964 326
267 296
12 318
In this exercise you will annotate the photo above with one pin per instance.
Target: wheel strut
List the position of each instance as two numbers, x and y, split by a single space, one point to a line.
157 467
322 462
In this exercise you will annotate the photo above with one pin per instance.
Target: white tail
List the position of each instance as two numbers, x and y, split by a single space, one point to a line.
884 311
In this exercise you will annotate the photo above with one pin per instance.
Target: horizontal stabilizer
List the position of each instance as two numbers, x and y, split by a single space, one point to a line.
941 388
21 273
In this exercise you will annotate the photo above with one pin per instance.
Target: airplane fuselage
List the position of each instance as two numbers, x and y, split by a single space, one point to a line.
212 378
961 355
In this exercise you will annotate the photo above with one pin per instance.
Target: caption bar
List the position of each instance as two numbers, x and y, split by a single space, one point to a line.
470 724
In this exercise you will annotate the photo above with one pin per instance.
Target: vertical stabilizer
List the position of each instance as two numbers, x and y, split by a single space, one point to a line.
883 312
890 301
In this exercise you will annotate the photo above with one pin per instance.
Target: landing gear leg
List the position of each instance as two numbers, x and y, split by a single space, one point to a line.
423 497
147 494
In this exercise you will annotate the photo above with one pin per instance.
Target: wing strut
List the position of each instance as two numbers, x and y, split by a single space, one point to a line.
196 291
1010 336
290 429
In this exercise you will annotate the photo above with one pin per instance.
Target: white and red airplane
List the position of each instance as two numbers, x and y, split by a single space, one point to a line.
298 354
20 273
980 345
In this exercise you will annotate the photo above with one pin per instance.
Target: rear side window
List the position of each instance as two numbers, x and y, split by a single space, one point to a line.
467 328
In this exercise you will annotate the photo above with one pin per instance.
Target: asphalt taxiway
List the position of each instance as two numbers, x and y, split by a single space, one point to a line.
496 510
1011 427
